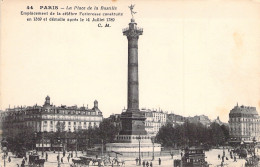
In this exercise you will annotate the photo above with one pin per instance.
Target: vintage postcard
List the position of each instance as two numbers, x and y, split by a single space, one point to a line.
113 82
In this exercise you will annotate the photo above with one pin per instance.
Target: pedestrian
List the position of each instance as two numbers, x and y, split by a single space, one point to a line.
160 161
68 158
147 164
23 162
64 153
143 163
61 160
151 164
72 154
58 158
9 159
181 154
136 160
218 156
172 155
235 159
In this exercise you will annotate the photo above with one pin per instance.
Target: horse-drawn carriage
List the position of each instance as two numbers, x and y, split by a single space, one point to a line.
35 161
241 152
117 161
252 161
84 161
193 157
81 161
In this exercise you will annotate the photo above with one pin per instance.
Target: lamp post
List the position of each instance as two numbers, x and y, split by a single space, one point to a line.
139 139
102 148
86 146
77 146
254 141
35 140
4 144
58 141
42 144
152 138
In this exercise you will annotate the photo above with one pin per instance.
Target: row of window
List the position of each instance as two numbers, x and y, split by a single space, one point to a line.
67 117
244 119
72 112
69 123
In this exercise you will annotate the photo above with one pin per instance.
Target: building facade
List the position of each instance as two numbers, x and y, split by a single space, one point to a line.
154 121
244 124
50 118
203 119
175 119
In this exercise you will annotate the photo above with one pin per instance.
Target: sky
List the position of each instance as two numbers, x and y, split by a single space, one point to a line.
195 57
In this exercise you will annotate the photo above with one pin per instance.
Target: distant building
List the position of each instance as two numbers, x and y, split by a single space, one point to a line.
115 118
154 121
175 119
244 124
50 118
204 120
218 121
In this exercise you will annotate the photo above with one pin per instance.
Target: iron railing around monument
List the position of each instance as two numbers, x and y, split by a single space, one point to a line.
165 153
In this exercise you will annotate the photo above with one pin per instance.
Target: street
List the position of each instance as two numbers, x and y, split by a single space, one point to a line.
166 161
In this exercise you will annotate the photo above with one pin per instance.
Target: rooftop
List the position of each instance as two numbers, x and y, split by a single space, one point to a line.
244 110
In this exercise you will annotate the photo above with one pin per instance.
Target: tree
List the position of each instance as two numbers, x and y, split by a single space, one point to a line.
216 134
108 131
166 136
192 134
225 130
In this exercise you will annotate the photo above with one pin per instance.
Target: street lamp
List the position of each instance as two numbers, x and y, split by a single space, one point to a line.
152 138
35 140
58 141
86 145
139 139
4 144
42 144
102 148
77 146
254 141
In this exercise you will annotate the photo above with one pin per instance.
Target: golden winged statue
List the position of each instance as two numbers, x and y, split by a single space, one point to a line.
131 9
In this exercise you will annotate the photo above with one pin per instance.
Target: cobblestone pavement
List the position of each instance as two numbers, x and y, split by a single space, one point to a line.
167 161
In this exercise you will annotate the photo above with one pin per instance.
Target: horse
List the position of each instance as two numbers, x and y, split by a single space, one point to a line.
77 161
119 161
94 161
38 162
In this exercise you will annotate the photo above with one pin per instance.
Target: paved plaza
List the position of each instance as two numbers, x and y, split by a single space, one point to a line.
167 161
